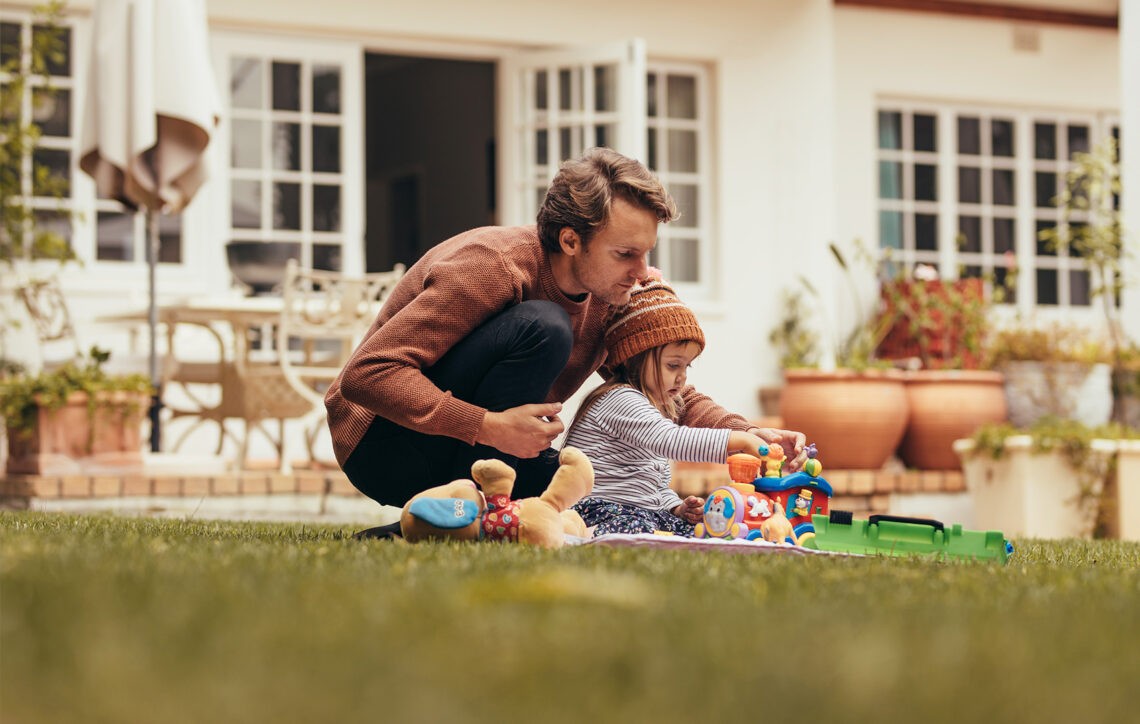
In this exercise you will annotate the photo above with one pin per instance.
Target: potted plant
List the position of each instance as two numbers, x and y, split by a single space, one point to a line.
941 325
852 406
1091 229
1053 369
77 414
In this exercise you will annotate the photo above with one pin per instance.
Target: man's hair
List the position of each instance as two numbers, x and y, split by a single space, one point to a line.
582 194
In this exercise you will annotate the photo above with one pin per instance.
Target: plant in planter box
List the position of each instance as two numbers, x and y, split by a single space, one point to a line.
1053 369
57 420
1054 479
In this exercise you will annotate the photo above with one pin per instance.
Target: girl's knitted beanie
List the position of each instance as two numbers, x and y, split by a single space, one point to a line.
654 316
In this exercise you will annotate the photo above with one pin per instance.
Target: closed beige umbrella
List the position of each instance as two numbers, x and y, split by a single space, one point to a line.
152 107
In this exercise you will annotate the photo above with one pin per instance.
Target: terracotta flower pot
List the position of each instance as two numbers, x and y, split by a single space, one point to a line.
856 419
63 441
946 405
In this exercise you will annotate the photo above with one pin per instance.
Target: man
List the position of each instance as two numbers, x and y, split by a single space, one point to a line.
492 330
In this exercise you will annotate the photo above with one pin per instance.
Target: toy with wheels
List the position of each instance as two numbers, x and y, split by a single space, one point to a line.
723 515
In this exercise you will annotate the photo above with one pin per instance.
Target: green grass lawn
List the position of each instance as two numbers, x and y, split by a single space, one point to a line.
106 619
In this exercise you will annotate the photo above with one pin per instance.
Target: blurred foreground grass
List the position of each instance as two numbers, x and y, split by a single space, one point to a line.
106 619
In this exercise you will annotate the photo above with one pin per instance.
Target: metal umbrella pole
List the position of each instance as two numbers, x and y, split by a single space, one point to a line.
152 323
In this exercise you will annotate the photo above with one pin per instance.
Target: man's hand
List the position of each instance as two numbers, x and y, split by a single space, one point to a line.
522 431
793 443
691 509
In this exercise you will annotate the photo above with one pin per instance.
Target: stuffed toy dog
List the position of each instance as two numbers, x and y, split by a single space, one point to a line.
459 511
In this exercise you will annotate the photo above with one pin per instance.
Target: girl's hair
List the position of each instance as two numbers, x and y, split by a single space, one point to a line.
582 193
641 372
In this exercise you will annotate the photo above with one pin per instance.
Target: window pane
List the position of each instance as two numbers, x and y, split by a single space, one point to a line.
682 151
9 42
326 149
970 233
540 91
52 111
245 83
60 66
969 135
1047 286
245 143
890 130
58 164
327 257
170 238
1002 280
541 151
926 232
1046 189
326 208
245 204
924 133
287 146
326 89
1078 230
286 86
114 236
890 229
1003 235
925 182
651 95
890 180
1045 140
605 88
686 197
1002 136
1079 287
651 151
53 222
681 96
287 206
605 134
1044 248
684 260
565 89
969 185
1003 186
1078 140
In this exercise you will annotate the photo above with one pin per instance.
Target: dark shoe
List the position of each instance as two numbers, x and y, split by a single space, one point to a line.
392 530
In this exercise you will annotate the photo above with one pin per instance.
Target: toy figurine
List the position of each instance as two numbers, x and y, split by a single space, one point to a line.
812 466
777 528
723 516
773 460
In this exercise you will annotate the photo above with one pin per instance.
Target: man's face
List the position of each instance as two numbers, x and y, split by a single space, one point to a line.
617 257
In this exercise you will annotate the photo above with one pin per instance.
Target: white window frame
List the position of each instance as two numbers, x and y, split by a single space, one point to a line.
947 258
703 232
307 52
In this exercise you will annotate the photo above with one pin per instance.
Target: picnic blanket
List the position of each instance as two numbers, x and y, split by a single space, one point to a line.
718 545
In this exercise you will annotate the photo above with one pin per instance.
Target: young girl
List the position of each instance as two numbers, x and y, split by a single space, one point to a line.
633 424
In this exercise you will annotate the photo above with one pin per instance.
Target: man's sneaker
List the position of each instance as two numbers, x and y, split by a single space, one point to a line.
392 530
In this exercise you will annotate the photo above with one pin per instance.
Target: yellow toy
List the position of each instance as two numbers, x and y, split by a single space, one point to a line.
777 527
459 511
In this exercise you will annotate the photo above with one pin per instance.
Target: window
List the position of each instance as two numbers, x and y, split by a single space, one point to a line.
678 129
968 189
49 198
290 144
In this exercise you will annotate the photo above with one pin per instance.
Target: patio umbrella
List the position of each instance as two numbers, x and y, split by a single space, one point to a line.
151 110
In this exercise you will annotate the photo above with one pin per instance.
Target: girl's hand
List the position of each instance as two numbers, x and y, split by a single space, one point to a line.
793 443
691 509
744 442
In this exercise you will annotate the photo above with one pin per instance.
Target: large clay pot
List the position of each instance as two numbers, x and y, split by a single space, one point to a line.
856 419
946 405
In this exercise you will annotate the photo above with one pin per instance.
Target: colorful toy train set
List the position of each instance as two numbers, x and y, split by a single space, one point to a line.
769 506
794 509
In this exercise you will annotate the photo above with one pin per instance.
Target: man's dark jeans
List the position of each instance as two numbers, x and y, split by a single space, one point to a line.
510 360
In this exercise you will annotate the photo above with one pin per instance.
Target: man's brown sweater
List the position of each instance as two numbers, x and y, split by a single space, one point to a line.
454 288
